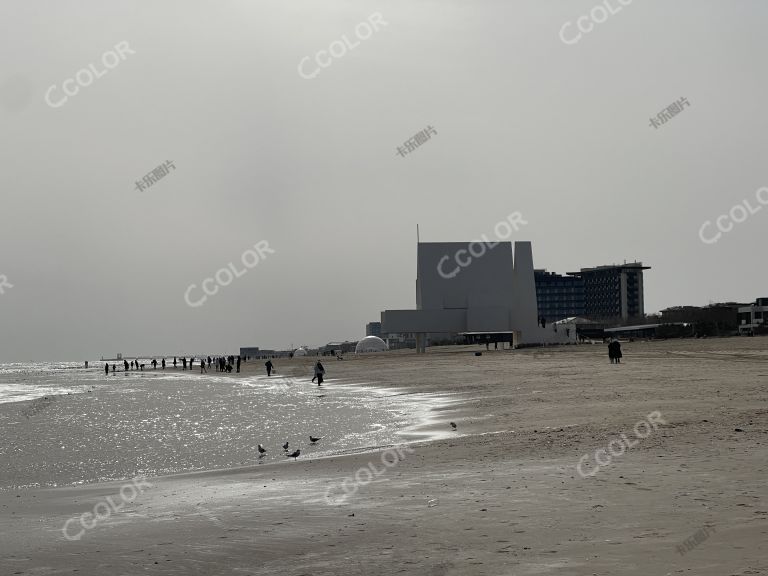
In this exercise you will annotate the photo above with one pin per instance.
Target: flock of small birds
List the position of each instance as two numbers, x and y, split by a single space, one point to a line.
312 440
295 454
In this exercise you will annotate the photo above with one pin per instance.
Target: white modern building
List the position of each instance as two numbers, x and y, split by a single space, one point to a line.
482 291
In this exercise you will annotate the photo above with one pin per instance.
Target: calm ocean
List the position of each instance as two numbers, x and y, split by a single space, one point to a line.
94 427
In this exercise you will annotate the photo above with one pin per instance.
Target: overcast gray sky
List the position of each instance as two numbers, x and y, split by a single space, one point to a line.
524 122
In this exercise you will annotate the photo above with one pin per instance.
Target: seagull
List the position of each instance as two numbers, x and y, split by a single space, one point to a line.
294 455
314 439
285 446
453 425
262 450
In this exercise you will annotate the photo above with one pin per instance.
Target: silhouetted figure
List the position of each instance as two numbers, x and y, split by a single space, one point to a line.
131 364
163 363
174 361
184 363
86 363
614 351
319 372
154 364
238 364
113 369
209 362
191 362
125 363
202 366
106 369
268 364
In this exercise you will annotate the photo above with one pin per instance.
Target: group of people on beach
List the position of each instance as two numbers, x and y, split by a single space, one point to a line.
223 364
319 371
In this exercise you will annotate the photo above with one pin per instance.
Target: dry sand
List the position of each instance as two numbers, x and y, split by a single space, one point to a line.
500 496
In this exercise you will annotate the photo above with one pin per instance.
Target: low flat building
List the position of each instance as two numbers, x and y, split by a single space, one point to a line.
753 318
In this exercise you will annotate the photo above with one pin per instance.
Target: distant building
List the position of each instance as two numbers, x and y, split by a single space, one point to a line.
613 292
558 296
753 318
398 341
337 347
373 329
476 292
251 352
722 317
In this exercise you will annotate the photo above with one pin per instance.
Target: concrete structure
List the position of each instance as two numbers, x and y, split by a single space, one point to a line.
396 340
559 296
373 329
613 292
491 293
753 318
370 344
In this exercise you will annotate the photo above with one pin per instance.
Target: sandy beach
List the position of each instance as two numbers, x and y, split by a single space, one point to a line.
500 495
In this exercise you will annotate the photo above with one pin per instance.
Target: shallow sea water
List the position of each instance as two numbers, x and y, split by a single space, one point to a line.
94 427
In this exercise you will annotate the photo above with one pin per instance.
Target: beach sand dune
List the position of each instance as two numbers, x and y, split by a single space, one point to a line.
502 495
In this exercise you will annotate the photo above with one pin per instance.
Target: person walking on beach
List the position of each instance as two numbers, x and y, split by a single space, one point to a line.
125 363
174 361
319 371
163 363
106 369
184 363
614 351
202 366
268 364
154 364
209 362
191 362
238 364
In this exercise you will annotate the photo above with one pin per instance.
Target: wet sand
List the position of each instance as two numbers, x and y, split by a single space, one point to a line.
501 495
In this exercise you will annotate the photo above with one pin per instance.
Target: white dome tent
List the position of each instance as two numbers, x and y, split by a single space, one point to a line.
371 344
300 352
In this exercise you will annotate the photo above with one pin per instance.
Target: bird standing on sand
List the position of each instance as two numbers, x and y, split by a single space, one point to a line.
294 455
285 446
262 450
453 425
314 439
